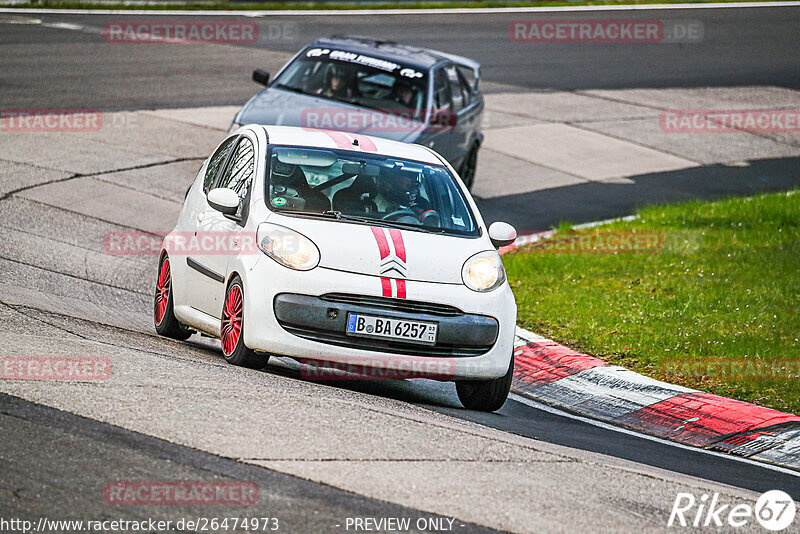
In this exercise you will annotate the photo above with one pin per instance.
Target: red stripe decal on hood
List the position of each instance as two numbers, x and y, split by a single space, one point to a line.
338 138
399 246
365 143
343 141
383 245
386 285
401 288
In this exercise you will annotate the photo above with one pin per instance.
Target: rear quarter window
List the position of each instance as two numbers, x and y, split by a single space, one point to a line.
217 159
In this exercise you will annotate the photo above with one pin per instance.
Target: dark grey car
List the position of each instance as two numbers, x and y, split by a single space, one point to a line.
380 88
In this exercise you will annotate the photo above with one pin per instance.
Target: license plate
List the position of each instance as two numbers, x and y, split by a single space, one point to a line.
390 328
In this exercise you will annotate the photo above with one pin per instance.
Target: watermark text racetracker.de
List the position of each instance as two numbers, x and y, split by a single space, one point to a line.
733 369
384 368
198 32
71 120
135 243
105 526
55 368
730 120
589 30
375 122
50 120
600 242
180 493
774 510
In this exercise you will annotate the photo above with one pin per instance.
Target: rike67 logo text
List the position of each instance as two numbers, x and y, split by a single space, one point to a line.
774 510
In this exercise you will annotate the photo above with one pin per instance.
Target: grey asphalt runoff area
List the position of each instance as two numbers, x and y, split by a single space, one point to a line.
323 452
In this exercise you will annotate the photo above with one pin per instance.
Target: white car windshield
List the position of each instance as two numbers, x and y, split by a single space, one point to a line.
359 80
367 188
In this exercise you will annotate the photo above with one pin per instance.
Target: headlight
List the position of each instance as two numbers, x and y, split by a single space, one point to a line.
483 271
287 247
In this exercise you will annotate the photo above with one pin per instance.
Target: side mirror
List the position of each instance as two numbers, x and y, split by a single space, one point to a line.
224 200
502 234
261 76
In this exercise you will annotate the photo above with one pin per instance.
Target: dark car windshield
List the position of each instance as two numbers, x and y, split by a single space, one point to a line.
367 188
358 79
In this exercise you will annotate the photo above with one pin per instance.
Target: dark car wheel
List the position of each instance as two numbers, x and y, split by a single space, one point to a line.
468 167
485 395
163 315
232 330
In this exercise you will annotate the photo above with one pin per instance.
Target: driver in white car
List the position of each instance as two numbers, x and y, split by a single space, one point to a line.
399 190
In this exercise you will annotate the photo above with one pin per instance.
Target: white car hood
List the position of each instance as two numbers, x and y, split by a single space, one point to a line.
387 252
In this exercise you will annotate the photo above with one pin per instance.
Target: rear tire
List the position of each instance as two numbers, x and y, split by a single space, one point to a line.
468 167
232 330
485 395
163 314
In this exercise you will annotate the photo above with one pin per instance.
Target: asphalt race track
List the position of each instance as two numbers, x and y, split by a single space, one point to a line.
79 69
319 453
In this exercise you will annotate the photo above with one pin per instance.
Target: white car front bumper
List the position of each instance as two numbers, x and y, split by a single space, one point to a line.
313 330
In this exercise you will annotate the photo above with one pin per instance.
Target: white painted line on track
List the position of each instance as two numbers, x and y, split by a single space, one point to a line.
607 426
437 11
585 226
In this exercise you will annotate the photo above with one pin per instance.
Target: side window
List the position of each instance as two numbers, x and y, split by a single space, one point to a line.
456 89
467 77
466 87
441 91
238 174
213 165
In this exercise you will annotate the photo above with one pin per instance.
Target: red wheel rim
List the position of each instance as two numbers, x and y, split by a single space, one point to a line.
232 320
162 292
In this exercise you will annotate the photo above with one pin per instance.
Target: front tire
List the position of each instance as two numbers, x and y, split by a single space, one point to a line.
468 167
232 330
163 314
485 395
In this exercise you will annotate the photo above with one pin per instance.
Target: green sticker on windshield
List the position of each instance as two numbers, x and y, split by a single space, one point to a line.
278 201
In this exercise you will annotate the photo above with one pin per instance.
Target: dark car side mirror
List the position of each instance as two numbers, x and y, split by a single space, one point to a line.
261 76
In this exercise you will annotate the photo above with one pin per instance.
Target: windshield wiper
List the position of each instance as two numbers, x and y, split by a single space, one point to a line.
382 222
325 214
338 215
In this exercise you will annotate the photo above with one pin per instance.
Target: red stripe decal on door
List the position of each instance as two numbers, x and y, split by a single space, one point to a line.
380 237
399 246
401 288
386 284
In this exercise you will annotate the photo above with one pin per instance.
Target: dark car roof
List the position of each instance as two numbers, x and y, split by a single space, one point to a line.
412 56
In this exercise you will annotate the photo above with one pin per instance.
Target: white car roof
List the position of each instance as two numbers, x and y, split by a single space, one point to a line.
310 137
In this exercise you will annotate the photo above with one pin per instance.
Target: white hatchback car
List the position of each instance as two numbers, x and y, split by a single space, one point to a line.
345 250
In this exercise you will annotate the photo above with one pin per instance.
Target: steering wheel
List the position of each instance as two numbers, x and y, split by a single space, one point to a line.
431 218
397 214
